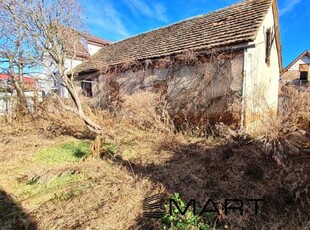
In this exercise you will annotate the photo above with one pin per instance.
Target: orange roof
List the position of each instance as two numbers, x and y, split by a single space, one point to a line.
68 36
29 82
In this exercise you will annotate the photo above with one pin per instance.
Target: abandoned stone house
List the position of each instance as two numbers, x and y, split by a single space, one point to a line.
297 72
200 65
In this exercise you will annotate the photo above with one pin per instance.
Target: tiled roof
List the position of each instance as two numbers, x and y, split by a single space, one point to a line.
232 25
72 41
95 39
29 82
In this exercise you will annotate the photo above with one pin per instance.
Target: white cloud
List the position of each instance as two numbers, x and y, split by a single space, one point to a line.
110 16
153 10
105 16
289 6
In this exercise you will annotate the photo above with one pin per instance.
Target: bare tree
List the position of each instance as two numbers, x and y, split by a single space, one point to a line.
51 27
12 55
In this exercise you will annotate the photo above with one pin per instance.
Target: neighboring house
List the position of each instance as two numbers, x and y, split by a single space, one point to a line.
29 83
201 65
297 72
294 82
80 48
8 92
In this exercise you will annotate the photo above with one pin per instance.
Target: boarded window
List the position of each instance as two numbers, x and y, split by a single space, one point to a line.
303 67
87 89
268 45
304 76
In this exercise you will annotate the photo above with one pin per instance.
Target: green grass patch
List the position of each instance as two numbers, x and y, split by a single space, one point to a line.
110 147
45 191
68 152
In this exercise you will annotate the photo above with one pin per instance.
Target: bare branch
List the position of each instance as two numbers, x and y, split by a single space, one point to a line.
48 37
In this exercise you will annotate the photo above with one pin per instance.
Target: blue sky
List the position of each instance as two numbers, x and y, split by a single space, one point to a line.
118 19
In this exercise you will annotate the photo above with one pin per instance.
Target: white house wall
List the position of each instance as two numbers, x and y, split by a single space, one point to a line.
8 100
71 63
261 81
92 49
293 73
47 83
303 60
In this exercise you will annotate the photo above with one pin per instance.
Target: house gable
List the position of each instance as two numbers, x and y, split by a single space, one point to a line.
262 68
304 58
293 72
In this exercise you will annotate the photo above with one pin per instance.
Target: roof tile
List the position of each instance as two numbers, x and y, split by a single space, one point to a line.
235 24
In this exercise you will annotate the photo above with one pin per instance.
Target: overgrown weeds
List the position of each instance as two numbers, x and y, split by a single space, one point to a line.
175 220
142 117
143 153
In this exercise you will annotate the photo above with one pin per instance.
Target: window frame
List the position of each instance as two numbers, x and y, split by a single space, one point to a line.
87 88
268 45
304 76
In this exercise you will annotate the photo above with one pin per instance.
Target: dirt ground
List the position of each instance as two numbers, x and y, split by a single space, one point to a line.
48 180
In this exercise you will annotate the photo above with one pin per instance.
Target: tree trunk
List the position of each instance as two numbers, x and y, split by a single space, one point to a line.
68 83
21 108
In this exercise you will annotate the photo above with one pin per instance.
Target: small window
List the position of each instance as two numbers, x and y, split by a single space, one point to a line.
268 45
304 76
87 89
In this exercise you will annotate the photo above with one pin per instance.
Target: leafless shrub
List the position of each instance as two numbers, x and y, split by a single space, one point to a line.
293 115
148 63
189 57
286 135
131 64
164 62
140 118
295 108
147 111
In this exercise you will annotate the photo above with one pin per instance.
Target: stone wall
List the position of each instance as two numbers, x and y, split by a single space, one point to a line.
196 92
290 75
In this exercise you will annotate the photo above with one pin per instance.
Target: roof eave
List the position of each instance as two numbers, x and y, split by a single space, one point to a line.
277 30
226 48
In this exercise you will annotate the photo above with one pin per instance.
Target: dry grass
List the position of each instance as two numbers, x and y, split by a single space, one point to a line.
295 108
293 114
50 174
147 111
63 191
43 172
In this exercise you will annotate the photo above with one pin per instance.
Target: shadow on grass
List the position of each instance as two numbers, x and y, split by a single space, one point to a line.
82 135
78 150
12 216
78 153
232 171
